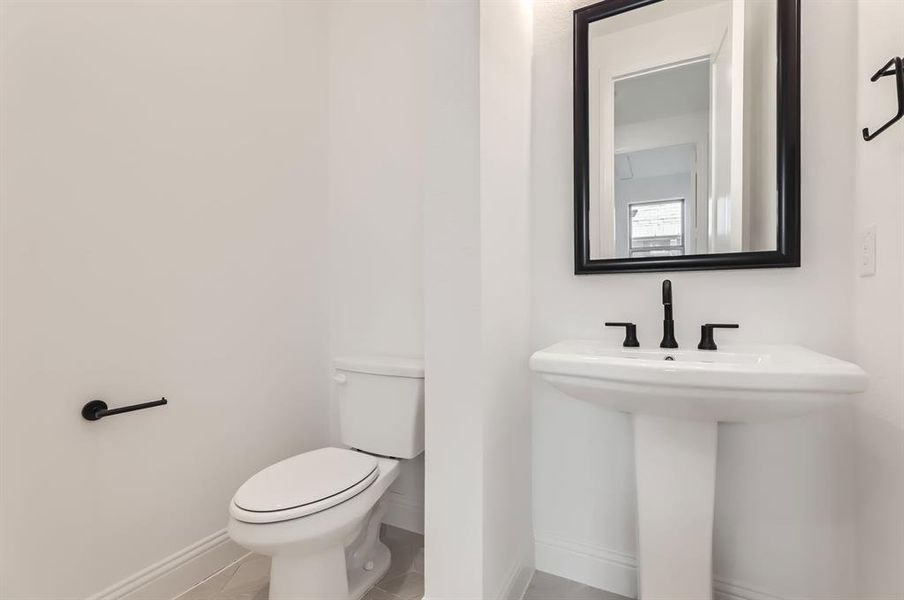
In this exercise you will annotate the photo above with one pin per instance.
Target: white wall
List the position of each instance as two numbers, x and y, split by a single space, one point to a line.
375 232
505 97
453 526
878 300
658 133
476 274
785 507
164 232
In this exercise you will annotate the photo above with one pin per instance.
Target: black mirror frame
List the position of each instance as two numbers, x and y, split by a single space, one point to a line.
787 253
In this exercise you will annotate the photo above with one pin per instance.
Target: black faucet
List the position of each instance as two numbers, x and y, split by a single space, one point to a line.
706 335
668 324
630 334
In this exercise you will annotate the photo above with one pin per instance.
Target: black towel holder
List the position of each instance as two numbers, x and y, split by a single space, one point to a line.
893 67
96 410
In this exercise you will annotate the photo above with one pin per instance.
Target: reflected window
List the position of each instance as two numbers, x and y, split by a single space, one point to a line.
656 228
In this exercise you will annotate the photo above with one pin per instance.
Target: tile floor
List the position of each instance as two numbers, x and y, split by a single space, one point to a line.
550 587
249 578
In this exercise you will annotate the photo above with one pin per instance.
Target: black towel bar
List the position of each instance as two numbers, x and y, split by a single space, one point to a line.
893 67
97 409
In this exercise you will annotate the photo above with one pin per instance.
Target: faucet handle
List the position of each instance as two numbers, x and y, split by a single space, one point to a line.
630 334
706 334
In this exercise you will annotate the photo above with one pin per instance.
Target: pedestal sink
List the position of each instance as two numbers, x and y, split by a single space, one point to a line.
677 397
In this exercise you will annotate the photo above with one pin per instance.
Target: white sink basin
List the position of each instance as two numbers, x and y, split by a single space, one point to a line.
734 383
677 397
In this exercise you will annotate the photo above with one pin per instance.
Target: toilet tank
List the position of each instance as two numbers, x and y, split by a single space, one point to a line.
381 404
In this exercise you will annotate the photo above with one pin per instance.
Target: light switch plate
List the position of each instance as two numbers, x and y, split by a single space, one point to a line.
866 259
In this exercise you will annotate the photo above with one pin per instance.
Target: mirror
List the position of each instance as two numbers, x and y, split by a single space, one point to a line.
686 135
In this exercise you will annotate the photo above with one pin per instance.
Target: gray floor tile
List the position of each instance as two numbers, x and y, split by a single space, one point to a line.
378 594
249 579
259 592
409 586
545 586
263 593
210 588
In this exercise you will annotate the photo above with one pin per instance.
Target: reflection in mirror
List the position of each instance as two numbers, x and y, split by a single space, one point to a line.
682 129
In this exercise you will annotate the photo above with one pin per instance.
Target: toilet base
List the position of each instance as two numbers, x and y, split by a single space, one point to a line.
360 580
338 573
324 577
319 576
335 554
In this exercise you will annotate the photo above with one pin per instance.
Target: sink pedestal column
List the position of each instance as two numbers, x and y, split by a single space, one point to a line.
676 476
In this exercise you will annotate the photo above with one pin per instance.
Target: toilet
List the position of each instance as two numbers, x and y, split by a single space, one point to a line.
318 514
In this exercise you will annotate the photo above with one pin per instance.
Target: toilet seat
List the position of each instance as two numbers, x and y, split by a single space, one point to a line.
303 485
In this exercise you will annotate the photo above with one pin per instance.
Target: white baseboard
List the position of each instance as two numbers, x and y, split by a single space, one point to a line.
178 572
616 571
591 565
402 513
726 589
518 579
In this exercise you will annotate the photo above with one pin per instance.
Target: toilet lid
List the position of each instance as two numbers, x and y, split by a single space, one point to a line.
305 484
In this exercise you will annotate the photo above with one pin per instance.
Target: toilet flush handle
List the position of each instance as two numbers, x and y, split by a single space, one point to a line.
340 378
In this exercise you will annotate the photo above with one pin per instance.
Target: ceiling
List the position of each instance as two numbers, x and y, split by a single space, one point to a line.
661 94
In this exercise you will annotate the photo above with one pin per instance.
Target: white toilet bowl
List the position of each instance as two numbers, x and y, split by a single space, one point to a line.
318 514
332 550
